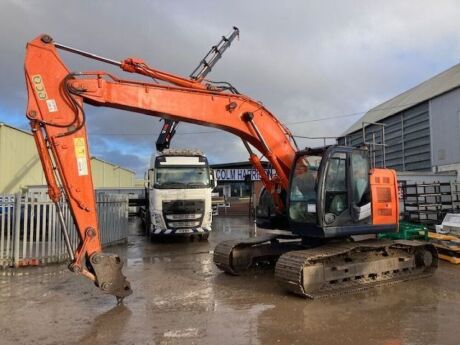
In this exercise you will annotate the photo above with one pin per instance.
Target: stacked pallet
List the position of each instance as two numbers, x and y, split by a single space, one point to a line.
448 246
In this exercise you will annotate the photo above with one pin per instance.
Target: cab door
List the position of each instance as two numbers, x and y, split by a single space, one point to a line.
344 194
360 187
334 196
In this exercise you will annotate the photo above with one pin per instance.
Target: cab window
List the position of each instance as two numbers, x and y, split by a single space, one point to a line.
336 200
303 189
360 179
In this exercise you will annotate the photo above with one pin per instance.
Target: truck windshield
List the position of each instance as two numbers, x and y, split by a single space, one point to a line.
182 177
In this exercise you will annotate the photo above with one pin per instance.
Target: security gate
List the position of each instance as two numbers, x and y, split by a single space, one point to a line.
30 232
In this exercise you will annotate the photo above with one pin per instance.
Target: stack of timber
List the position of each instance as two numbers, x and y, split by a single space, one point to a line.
447 238
448 246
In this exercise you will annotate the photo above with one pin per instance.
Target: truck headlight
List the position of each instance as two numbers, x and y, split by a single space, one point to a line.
158 220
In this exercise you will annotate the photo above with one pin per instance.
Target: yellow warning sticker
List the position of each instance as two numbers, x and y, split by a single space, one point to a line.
80 153
80 147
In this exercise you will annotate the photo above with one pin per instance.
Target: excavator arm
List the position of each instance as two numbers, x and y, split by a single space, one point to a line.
56 112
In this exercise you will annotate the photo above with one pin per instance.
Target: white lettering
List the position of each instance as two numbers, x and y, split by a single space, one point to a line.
239 174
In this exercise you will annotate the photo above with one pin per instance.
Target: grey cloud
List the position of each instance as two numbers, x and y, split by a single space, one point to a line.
130 161
304 60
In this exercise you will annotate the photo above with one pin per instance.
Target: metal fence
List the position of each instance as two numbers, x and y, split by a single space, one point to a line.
30 232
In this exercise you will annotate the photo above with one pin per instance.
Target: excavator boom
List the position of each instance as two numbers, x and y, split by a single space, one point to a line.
56 98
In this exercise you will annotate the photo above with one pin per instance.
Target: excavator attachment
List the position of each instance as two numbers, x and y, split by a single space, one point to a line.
109 278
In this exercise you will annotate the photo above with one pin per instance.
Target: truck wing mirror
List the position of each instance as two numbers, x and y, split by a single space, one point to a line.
212 177
151 178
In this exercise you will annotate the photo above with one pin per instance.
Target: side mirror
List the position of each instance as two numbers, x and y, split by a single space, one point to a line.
146 179
212 177
150 178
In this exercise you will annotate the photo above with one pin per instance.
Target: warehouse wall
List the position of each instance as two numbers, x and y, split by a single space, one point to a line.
407 136
19 162
20 165
445 128
109 175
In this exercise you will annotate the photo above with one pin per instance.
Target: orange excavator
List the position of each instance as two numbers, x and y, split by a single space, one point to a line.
335 203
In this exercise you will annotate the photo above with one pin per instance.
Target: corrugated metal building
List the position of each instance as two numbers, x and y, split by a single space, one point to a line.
421 127
108 175
20 165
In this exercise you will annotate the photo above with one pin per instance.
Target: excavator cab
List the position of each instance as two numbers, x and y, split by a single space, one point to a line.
332 191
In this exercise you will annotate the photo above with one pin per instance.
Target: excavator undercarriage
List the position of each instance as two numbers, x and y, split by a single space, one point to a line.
334 268
345 267
238 256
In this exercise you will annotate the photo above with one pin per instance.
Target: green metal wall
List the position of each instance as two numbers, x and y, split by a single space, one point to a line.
20 165
19 162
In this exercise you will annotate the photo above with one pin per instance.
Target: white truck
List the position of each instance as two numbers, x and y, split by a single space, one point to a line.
178 194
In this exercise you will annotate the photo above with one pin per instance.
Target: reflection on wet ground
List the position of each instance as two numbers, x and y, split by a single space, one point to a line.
181 298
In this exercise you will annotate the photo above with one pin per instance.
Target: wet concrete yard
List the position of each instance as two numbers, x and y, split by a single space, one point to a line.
181 298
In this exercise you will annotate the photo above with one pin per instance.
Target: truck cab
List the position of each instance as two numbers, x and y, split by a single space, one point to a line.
178 190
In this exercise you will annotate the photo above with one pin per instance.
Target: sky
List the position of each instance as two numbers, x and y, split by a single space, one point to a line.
317 65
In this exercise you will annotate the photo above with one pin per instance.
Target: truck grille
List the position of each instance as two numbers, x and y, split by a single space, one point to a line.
183 213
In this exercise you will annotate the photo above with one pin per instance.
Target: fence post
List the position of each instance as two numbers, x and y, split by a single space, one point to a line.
17 227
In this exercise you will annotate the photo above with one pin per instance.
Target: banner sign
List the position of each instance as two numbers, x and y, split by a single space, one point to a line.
239 174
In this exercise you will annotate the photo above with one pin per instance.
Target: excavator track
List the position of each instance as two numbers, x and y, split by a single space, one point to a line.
348 267
237 256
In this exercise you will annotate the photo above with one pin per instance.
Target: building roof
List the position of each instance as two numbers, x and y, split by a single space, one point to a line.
115 166
431 88
3 124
